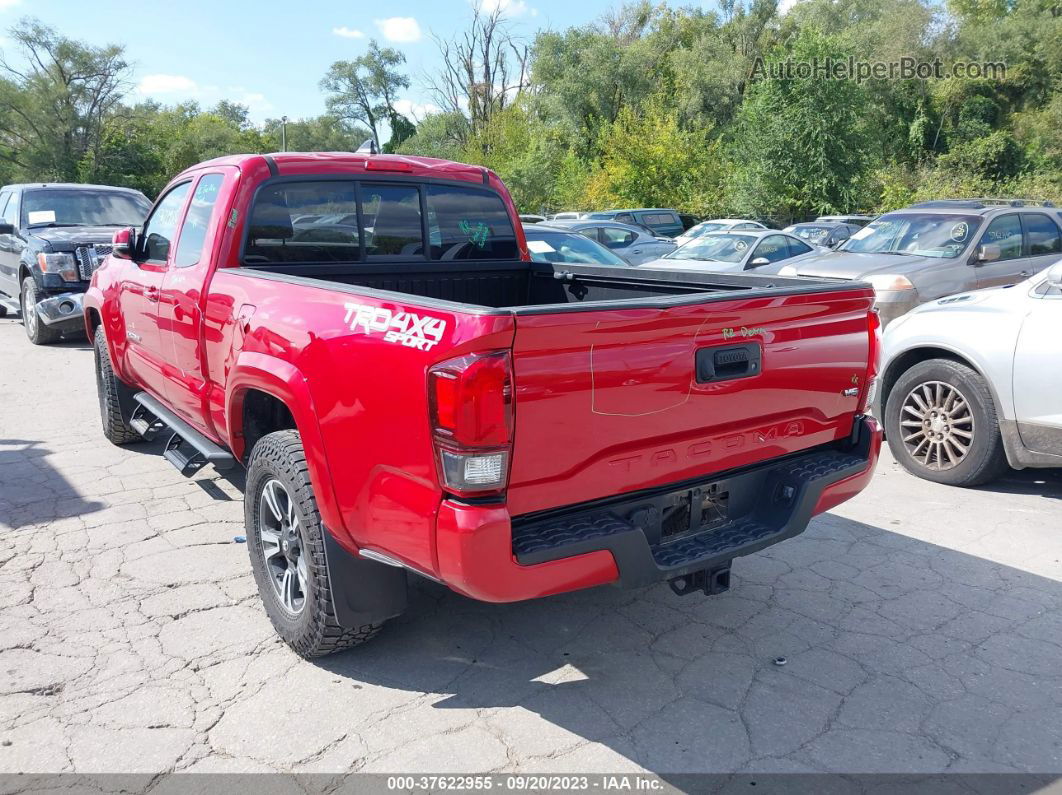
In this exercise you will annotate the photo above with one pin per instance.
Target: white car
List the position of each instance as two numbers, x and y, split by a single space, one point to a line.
718 225
973 382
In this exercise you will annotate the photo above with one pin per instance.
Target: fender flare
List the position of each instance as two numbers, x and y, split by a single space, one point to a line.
285 382
363 591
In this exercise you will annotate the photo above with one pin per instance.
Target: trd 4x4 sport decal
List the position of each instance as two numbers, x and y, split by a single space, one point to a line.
406 328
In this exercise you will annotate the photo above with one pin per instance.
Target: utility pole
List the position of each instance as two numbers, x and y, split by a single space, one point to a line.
283 133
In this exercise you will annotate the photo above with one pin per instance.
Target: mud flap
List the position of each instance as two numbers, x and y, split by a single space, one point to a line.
363 591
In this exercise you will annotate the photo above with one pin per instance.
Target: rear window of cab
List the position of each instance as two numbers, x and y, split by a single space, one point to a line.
333 221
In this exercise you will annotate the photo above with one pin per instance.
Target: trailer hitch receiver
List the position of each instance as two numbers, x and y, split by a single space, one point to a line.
710 581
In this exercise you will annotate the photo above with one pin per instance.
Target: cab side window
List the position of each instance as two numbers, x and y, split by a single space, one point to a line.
161 227
1004 232
197 220
1042 235
10 212
614 237
773 247
796 247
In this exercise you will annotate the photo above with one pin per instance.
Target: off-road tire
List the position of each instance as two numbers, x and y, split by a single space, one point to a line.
314 631
112 394
38 332
986 458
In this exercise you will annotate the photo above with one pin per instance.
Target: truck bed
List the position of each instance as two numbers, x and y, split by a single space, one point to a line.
533 287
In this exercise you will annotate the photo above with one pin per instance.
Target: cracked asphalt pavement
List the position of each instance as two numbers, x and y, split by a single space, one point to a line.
921 624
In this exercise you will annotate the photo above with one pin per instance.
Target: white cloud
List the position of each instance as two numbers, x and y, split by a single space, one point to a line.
6 4
415 111
343 30
256 103
150 85
400 29
176 88
785 5
510 8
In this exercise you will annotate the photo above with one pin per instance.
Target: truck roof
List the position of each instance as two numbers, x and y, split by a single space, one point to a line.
330 162
68 186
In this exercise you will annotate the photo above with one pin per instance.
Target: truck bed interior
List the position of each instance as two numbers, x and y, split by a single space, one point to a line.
523 285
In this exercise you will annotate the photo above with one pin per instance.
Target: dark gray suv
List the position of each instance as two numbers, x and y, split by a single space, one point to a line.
939 248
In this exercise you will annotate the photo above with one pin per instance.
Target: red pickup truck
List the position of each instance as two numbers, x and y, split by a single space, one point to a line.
409 392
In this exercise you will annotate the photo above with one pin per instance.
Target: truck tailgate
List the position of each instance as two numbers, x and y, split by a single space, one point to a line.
612 401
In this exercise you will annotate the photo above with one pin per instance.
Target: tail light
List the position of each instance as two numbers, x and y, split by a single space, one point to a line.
873 362
471 404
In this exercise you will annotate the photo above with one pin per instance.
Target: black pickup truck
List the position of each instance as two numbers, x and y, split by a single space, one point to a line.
52 237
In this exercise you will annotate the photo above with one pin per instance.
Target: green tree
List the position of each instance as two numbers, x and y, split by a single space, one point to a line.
800 146
365 90
55 98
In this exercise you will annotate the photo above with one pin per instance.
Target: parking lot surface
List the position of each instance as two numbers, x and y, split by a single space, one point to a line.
921 628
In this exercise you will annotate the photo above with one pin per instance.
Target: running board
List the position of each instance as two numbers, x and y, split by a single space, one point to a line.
187 449
145 423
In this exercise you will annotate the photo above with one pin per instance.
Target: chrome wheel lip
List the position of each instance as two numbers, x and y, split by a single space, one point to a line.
29 309
936 425
283 546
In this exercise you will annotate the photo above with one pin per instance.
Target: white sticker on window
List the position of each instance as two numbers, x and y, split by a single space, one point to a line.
866 231
41 216
539 246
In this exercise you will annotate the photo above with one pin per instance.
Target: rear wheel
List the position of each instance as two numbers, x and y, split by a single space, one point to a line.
941 424
112 395
39 333
286 546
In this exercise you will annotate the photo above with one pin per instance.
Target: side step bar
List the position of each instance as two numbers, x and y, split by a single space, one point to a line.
187 449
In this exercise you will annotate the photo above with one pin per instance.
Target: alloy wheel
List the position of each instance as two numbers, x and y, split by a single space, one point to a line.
29 309
283 546
937 425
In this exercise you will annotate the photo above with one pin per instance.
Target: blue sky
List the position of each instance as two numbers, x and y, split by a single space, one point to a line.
270 54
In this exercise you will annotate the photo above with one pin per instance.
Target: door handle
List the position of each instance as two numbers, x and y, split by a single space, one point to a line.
152 294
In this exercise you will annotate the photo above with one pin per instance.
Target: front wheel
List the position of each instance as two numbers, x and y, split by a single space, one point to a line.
39 333
113 395
941 424
285 542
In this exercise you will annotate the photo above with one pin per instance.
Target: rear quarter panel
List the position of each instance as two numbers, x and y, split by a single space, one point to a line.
359 400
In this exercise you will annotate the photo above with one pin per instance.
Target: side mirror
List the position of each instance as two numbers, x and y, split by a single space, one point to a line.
988 252
124 241
759 261
6 228
1054 275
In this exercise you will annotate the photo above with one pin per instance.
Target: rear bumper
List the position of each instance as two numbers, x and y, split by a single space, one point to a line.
636 540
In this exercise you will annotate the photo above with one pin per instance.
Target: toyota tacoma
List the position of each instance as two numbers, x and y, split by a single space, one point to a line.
409 392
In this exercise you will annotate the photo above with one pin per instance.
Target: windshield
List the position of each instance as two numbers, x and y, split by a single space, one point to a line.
716 247
83 208
920 234
703 229
813 233
563 247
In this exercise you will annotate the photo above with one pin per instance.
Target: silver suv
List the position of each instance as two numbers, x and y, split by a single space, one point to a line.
936 249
